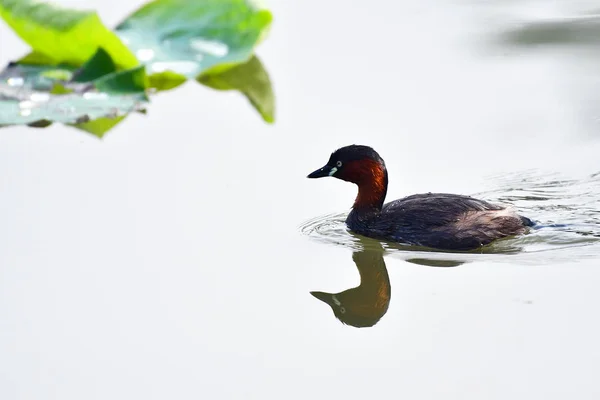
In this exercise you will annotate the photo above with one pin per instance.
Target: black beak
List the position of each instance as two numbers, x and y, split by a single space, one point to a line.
324 297
321 172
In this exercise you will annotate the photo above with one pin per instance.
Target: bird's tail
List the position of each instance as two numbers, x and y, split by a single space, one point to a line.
526 221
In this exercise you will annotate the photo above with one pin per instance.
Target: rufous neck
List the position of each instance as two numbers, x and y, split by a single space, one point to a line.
372 187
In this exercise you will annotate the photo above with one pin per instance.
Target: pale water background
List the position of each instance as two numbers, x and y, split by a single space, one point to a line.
174 258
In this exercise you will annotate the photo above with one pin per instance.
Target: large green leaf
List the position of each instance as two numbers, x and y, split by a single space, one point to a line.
61 35
252 80
191 37
37 96
210 40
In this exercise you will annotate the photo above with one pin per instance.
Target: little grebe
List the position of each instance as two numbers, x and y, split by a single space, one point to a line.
436 220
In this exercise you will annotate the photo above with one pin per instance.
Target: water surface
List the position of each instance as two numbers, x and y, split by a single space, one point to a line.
174 259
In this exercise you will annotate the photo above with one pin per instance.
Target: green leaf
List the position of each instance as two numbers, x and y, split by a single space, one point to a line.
95 106
166 80
99 65
180 39
99 126
35 58
210 40
252 80
132 81
62 35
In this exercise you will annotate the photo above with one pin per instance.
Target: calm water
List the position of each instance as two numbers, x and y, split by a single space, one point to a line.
176 258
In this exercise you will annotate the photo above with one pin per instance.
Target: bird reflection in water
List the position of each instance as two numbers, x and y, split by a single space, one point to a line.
364 305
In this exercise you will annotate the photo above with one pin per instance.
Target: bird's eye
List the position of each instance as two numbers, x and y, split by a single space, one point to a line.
342 310
338 164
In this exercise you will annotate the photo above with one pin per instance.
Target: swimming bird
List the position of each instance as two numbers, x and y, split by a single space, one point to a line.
436 220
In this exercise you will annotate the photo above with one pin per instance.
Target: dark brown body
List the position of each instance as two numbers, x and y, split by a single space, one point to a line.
438 220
